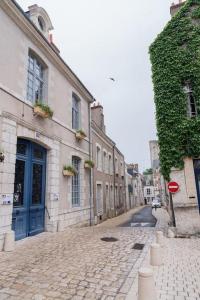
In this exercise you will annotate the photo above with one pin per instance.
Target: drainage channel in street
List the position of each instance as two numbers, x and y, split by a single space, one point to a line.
109 239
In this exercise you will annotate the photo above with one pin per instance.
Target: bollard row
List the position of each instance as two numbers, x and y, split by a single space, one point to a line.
146 283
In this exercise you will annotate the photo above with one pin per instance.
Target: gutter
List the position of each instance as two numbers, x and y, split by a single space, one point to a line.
114 177
90 157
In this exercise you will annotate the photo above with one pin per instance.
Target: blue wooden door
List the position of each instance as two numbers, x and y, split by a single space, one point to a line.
29 189
197 178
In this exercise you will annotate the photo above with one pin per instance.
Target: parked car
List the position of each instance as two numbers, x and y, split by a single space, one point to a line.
156 203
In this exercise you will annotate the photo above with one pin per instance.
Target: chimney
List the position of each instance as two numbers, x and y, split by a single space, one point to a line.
175 7
52 43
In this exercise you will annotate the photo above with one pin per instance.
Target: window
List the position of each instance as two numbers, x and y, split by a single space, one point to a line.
99 198
148 191
120 195
111 197
116 197
122 169
35 84
41 23
110 164
116 166
75 112
192 109
76 182
98 157
104 161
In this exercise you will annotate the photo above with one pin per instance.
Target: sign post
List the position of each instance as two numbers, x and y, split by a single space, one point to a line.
173 188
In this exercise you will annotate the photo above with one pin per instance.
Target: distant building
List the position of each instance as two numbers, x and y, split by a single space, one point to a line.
135 185
149 188
158 180
109 189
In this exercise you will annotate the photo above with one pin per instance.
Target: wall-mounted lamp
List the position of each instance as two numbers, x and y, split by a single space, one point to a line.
2 156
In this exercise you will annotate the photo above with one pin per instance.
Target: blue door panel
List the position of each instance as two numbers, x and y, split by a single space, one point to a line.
36 220
197 178
29 195
19 226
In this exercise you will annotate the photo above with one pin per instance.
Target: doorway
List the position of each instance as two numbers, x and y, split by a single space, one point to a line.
197 178
29 189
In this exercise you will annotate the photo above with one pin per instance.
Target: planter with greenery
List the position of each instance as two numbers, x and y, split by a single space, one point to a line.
89 164
42 110
80 134
69 171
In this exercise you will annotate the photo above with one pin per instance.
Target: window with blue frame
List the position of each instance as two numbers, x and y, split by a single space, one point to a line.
75 112
35 82
76 181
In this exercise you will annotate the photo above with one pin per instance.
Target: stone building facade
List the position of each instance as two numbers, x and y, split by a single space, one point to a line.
34 194
136 182
109 192
158 180
184 206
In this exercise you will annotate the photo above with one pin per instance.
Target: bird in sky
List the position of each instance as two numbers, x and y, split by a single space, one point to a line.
111 78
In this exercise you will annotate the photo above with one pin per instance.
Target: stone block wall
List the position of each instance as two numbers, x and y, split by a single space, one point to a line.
185 201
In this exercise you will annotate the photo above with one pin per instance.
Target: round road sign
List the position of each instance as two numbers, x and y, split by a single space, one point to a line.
173 187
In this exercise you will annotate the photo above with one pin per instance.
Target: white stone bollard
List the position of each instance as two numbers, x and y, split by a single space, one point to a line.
9 242
156 255
170 234
160 238
146 285
60 226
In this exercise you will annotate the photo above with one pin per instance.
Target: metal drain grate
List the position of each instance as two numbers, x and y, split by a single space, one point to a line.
138 246
109 239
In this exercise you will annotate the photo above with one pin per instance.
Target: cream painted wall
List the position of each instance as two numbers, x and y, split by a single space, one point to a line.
15 45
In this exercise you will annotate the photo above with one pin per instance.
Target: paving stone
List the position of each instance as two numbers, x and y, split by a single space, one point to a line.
76 264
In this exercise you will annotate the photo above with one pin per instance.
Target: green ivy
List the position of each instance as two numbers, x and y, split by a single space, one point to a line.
175 58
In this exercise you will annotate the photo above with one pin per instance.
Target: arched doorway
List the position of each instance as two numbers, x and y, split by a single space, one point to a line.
29 189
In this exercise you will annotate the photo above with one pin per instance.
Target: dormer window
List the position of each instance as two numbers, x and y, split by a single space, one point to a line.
41 23
41 19
191 104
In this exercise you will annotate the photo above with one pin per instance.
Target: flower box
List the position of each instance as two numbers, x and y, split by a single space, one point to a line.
68 173
88 164
38 111
80 135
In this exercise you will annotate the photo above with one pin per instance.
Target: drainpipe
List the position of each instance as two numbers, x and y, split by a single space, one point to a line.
90 157
114 176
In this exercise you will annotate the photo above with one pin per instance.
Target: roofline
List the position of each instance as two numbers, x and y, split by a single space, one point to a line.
62 60
93 123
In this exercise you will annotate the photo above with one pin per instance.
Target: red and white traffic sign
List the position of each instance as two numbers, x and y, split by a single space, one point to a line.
173 187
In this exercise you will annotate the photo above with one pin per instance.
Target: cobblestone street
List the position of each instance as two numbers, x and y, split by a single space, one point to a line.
74 264
179 276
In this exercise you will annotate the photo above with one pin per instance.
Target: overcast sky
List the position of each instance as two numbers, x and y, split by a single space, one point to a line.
99 39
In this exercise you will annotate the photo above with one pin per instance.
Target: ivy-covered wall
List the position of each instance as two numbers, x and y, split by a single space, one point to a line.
175 58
